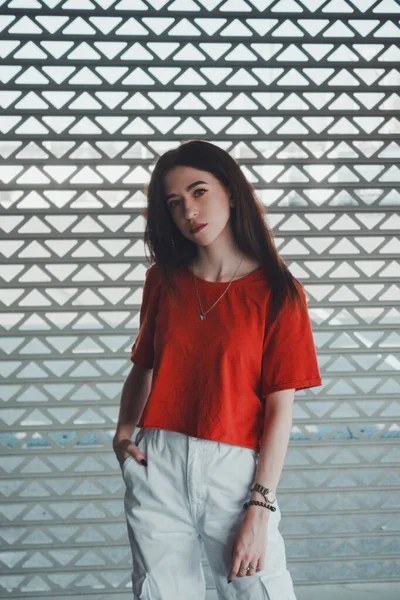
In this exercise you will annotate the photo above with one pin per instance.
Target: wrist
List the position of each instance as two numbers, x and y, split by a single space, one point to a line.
120 444
257 496
258 513
123 433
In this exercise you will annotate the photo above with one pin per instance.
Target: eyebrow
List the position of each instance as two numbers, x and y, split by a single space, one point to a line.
189 187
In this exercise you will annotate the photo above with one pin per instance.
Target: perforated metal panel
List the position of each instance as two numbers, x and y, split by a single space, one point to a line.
305 94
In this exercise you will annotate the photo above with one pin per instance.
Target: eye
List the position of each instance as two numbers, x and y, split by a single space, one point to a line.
170 205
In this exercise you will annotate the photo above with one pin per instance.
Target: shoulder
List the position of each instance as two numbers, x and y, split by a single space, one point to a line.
152 278
153 272
300 287
302 291
294 302
297 304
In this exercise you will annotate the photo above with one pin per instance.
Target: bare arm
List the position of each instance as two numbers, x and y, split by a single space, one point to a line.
135 392
274 445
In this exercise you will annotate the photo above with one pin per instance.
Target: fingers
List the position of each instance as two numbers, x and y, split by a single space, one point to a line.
137 455
235 568
129 448
240 565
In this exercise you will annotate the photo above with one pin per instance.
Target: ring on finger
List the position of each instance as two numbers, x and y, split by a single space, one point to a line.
249 567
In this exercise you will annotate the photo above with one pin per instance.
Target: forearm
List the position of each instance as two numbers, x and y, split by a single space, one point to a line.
273 449
134 396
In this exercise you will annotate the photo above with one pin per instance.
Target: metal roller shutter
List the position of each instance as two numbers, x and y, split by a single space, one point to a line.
305 94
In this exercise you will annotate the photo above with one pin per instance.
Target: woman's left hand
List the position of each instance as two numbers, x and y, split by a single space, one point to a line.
250 543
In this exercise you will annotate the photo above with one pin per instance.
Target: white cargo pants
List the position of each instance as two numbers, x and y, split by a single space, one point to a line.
192 494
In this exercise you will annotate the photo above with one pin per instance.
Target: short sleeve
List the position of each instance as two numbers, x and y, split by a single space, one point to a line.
289 358
142 352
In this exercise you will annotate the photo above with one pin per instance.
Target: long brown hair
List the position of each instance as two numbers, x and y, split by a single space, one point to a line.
170 249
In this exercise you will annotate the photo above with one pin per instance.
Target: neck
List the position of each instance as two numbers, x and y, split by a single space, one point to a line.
219 270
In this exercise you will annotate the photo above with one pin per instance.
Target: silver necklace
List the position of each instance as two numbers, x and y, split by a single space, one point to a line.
203 313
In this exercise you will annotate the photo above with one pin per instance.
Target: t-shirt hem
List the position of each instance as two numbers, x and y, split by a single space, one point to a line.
298 384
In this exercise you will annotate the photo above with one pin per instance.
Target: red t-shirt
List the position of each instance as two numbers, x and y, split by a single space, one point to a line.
211 377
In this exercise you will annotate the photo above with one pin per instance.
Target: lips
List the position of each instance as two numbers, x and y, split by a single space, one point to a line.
196 229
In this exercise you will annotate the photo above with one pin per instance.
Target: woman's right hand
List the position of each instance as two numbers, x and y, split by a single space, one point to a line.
125 448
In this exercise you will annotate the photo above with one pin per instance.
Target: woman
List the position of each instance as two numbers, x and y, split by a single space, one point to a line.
224 342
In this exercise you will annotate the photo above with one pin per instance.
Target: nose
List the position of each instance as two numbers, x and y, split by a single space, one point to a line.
190 209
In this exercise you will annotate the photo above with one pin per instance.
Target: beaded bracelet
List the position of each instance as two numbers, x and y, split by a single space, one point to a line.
264 504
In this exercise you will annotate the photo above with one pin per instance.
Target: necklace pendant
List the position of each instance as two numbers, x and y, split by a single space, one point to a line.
203 316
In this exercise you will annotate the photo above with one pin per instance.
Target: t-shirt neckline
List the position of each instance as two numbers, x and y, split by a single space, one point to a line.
240 281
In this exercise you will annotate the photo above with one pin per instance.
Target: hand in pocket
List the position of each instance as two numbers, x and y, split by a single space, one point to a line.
125 448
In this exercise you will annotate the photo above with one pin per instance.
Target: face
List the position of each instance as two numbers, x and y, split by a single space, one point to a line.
194 197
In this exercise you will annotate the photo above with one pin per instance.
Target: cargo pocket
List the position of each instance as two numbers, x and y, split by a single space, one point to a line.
278 588
139 441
